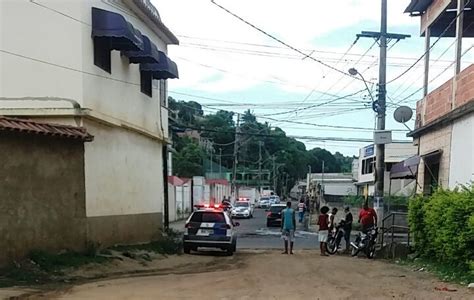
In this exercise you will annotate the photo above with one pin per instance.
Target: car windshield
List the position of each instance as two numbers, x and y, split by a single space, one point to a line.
276 209
208 217
263 199
242 204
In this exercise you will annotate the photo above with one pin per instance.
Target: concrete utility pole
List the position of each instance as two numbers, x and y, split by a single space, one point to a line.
236 150
220 162
260 143
274 174
380 104
212 162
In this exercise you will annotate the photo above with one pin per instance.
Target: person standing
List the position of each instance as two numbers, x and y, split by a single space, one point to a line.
301 210
288 226
367 217
331 219
323 222
348 219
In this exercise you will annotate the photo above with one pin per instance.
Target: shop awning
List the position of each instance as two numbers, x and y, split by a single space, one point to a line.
115 32
149 54
406 169
418 6
164 69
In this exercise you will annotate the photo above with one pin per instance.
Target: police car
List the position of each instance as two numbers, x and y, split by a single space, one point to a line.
210 227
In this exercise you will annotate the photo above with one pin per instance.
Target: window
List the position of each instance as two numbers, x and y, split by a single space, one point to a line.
163 97
368 166
102 54
431 177
146 83
208 217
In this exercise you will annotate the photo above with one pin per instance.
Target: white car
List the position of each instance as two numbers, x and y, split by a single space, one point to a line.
242 209
274 200
264 202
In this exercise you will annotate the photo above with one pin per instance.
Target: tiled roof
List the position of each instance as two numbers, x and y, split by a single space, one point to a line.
27 126
217 181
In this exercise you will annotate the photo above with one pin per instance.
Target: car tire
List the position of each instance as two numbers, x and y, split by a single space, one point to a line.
269 224
187 249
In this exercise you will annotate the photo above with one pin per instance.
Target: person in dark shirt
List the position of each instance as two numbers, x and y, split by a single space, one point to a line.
348 227
323 222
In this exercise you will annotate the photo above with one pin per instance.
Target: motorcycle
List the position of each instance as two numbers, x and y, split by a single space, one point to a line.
365 242
334 238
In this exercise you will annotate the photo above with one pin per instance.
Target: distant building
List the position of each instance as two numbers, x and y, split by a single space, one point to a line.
333 186
444 129
394 153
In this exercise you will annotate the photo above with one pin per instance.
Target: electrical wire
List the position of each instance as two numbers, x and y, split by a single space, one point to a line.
279 40
431 47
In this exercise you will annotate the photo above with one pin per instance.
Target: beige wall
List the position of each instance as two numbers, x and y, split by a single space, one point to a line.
123 172
462 152
432 141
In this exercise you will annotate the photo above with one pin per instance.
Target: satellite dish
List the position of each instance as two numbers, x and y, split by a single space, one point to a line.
403 114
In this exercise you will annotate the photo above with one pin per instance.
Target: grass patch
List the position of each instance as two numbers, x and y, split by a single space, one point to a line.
170 243
56 262
445 272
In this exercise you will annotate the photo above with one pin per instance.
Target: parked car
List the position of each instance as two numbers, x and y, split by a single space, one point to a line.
274 199
242 209
264 202
210 228
274 215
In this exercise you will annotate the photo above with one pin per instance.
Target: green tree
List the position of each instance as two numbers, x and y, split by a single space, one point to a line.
188 162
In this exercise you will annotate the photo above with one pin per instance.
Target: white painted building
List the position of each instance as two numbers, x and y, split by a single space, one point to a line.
394 153
54 66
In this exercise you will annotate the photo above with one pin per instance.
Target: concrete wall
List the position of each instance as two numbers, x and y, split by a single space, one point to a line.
42 187
462 152
432 141
124 177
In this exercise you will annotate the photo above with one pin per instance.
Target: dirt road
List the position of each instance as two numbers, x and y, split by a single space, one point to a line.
271 275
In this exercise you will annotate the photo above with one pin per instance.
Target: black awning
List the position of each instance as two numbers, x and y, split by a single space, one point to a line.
164 69
149 54
406 169
113 31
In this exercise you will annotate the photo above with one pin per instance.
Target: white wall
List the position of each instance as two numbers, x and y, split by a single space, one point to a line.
461 170
123 172
58 33
35 32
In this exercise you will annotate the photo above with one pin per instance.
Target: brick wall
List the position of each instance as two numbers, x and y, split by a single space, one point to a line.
432 141
439 102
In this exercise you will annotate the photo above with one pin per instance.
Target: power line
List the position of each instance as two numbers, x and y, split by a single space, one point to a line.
279 40
431 47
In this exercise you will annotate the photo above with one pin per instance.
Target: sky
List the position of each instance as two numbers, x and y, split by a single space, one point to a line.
226 64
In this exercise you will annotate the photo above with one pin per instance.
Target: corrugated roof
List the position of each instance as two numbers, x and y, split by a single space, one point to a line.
8 124
418 6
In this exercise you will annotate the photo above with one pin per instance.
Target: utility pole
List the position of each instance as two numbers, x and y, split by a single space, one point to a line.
260 165
212 162
274 174
379 105
236 150
220 162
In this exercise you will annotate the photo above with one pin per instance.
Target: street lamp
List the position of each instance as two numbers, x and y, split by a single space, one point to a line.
354 72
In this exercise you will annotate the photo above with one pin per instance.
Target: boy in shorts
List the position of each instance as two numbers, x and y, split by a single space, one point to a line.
323 222
288 226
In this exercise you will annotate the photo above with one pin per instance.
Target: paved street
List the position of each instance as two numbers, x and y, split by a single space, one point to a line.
254 234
